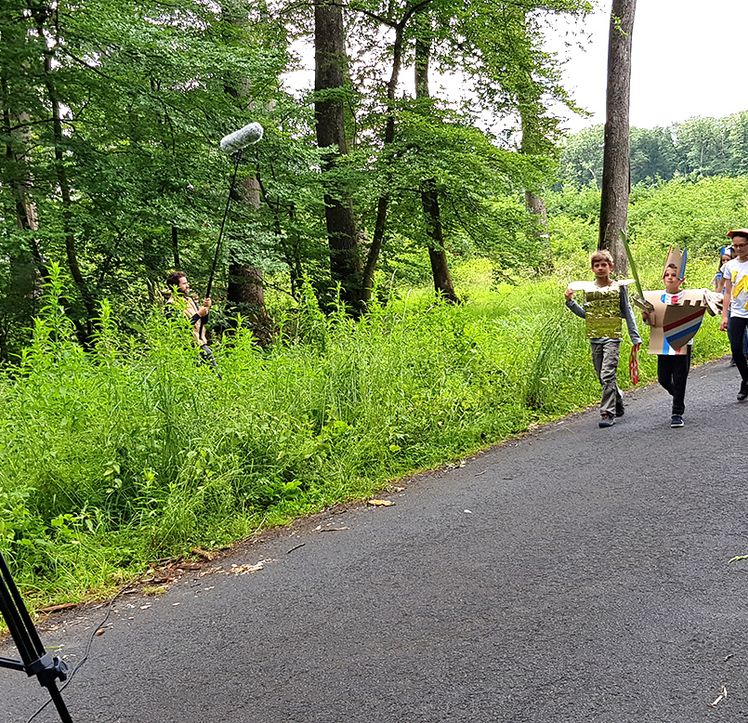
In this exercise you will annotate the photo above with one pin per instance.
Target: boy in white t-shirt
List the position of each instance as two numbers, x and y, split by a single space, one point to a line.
736 293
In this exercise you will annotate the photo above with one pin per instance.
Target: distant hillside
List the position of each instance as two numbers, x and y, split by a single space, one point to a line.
697 147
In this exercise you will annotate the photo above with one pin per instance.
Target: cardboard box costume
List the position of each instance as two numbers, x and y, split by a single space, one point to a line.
602 307
674 319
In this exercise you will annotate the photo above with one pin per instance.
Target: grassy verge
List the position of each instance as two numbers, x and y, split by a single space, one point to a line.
133 452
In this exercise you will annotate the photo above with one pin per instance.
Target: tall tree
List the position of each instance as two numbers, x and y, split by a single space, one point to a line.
48 34
25 265
499 46
330 83
429 190
616 170
536 129
397 25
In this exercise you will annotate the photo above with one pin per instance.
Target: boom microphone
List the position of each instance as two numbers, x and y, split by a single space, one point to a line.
238 140
233 144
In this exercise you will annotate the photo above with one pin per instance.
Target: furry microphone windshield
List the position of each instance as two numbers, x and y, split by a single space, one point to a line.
238 140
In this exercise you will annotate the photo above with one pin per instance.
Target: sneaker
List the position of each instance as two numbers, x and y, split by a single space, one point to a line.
620 408
677 421
607 420
743 393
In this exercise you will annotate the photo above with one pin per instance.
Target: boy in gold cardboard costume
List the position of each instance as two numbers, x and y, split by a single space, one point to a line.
606 303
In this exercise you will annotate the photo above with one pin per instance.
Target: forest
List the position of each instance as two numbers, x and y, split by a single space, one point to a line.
389 292
693 149
112 115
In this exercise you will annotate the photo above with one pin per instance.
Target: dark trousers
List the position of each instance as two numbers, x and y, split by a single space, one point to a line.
672 374
736 327
745 338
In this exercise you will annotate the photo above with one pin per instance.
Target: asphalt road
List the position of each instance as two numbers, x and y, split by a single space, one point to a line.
577 574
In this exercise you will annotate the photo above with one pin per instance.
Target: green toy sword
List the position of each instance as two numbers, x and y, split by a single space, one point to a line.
639 300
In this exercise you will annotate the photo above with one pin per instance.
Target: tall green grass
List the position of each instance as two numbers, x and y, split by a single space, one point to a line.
134 451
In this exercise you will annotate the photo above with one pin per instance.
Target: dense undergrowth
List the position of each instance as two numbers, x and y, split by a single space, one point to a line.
133 451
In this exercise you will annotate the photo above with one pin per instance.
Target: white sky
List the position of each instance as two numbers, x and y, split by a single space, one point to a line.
687 60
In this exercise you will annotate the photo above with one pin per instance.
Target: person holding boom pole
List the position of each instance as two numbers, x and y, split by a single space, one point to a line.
232 144
178 285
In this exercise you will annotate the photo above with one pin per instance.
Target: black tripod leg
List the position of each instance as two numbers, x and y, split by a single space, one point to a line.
35 661
17 616
59 702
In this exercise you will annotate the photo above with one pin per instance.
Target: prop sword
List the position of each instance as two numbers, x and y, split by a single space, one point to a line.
639 300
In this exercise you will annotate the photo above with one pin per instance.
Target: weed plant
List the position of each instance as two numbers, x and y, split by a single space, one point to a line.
134 451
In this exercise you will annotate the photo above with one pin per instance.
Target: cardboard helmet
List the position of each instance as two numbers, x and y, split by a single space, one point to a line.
677 258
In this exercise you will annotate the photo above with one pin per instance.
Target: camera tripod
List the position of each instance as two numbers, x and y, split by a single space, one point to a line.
35 660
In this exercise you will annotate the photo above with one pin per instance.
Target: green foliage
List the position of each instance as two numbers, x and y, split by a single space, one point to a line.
143 92
696 148
142 88
480 189
681 212
696 215
581 162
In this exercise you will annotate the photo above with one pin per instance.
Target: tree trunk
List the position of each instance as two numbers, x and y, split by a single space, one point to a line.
534 142
616 176
175 246
292 253
246 289
536 206
429 193
28 266
18 181
389 136
84 328
289 244
17 177
17 307
330 68
437 255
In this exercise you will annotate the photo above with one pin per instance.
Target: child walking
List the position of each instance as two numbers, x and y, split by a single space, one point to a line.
606 303
735 308
673 364
718 282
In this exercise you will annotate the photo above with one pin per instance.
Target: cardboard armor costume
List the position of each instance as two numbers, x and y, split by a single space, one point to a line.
602 306
675 322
